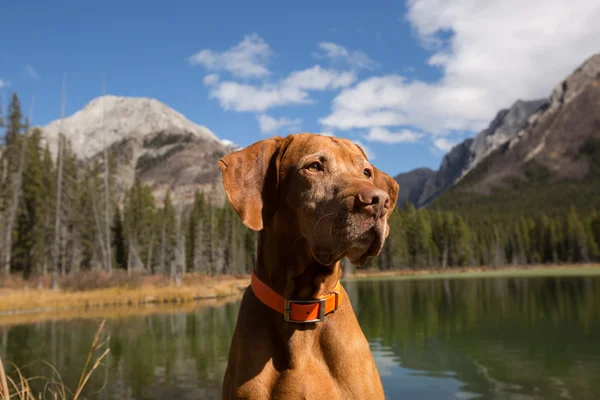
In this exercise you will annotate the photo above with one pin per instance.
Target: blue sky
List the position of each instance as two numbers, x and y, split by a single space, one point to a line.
407 80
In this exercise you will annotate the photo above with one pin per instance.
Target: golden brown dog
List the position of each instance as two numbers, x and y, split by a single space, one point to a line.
315 199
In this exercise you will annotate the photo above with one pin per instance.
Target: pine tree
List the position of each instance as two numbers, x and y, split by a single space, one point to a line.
595 232
167 234
139 216
577 243
195 243
29 244
14 160
85 221
118 240
14 123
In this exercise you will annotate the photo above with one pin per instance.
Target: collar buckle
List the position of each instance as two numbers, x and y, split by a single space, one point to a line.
287 314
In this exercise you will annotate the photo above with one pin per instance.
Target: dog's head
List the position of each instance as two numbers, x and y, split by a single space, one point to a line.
317 187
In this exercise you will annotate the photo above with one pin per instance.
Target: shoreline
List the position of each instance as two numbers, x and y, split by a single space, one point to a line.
32 305
27 317
25 304
479 272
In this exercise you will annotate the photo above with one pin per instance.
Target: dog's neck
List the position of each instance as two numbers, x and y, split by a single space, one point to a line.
287 266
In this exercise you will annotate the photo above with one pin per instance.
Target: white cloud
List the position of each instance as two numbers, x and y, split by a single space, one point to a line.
356 58
32 72
247 59
317 78
378 134
326 133
211 79
443 144
3 83
490 53
367 150
291 90
269 124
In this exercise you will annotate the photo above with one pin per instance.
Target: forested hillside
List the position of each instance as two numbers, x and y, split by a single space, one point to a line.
82 231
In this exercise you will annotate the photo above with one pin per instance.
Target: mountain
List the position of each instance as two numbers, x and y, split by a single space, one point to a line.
150 142
421 187
412 184
553 162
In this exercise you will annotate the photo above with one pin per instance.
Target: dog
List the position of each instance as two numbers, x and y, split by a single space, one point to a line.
314 200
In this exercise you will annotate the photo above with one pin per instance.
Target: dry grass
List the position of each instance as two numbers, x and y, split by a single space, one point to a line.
20 389
143 291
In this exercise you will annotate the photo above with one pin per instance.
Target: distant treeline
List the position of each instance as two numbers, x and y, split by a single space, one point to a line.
423 238
88 228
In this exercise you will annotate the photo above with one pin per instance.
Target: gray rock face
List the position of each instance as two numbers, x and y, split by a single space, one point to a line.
467 155
554 136
506 126
412 184
109 119
149 142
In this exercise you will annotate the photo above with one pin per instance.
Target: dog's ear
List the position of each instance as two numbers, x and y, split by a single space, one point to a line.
251 179
385 182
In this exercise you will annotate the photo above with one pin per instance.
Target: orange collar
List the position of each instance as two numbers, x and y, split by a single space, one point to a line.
301 311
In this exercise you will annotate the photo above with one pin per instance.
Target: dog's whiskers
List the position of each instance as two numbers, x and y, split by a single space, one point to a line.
324 216
299 237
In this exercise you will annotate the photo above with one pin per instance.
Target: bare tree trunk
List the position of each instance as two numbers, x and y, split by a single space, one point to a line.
180 243
445 254
199 246
58 186
130 252
150 247
163 246
213 261
63 251
106 197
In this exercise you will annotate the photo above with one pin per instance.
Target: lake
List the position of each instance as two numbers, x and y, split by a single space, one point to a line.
492 338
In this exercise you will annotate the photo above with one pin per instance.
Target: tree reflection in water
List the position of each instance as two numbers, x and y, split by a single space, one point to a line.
500 338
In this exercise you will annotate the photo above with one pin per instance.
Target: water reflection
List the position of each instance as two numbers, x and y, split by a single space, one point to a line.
522 338
172 356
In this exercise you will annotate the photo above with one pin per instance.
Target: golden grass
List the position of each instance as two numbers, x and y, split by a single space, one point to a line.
474 272
45 300
13 389
113 313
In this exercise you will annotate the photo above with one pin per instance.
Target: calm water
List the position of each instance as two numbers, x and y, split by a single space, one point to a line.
518 338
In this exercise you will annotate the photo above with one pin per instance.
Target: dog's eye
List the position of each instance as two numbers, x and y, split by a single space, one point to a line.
314 167
367 173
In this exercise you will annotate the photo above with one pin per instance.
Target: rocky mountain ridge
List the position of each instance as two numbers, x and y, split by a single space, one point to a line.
421 189
556 139
149 142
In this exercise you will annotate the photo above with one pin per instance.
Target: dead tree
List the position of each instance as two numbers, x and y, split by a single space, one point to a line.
59 172
106 193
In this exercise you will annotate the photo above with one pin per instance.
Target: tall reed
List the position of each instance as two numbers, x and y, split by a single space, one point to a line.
19 388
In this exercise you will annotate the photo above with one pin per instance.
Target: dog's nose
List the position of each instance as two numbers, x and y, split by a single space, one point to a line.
374 201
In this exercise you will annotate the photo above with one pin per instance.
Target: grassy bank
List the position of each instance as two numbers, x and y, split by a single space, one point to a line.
480 272
101 296
99 291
